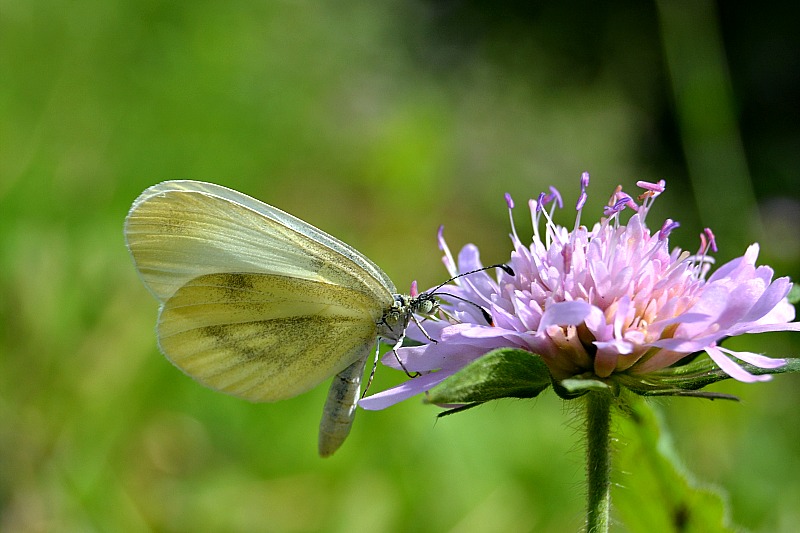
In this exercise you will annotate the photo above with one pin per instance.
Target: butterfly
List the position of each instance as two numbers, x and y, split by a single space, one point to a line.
258 304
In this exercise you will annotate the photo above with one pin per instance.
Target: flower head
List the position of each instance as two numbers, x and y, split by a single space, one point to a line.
599 303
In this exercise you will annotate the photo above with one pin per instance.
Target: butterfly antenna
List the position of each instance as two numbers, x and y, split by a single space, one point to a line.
486 315
505 268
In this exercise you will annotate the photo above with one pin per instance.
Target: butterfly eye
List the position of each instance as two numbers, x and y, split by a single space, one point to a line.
426 306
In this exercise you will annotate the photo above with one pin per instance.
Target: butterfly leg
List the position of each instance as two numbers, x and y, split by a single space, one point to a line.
419 325
398 344
374 367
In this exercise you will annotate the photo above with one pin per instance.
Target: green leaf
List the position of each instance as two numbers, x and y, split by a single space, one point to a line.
652 491
503 373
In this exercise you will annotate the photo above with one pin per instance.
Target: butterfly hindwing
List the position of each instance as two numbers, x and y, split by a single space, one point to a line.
264 337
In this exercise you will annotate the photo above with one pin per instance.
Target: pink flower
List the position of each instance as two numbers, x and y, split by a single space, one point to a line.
597 303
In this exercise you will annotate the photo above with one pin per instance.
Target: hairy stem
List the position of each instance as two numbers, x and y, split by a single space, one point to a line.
598 460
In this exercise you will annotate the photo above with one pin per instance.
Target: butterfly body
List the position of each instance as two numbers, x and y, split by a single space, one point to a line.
259 304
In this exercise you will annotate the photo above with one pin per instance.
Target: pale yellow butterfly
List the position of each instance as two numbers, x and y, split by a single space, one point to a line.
259 304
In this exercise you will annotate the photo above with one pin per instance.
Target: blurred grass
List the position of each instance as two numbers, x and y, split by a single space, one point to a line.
376 122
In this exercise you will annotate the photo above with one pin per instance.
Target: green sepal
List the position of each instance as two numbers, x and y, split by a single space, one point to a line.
686 380
572 388
502 373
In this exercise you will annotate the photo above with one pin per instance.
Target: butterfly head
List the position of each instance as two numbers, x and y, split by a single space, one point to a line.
406 307
396 317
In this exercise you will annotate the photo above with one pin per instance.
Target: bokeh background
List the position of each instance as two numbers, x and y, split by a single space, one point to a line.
376 121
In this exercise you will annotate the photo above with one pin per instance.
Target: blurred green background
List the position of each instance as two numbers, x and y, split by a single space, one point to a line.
376 121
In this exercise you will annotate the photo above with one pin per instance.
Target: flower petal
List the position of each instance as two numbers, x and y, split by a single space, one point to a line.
770 299
564 314
761 361
792 326
732 369
406 390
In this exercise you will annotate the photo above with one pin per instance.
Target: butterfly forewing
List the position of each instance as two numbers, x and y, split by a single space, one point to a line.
178 230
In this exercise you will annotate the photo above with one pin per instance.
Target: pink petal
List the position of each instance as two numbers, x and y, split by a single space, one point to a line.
453 332
469 258
761 361
771 297
741 300
792 326
447 259
605 361
724 271
564 314
402 392
432 327
616 346
732 369
686 346
685 318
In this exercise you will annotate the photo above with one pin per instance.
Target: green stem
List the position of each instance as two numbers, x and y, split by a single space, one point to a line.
598 460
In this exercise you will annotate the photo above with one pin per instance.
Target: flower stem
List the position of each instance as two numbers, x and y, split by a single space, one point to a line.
598 460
